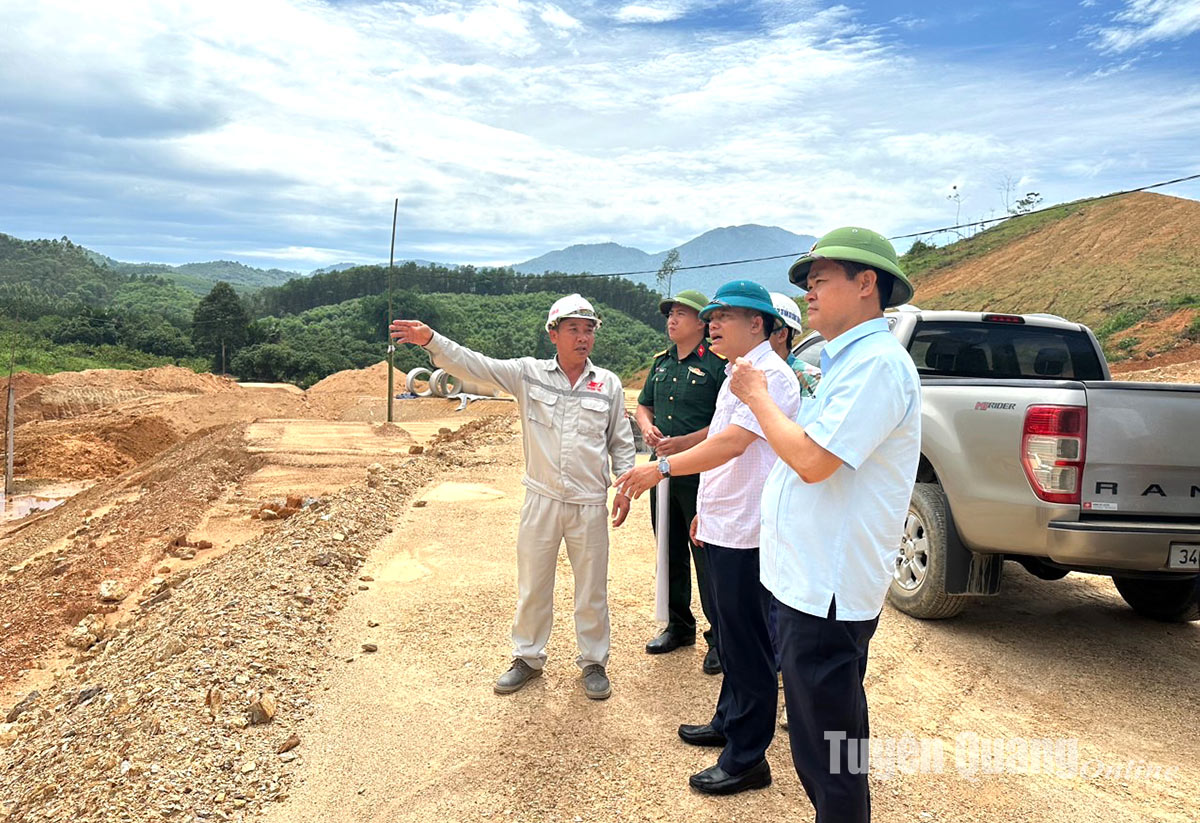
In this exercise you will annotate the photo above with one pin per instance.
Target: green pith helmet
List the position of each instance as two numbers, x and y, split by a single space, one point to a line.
688 297
744 294
858 246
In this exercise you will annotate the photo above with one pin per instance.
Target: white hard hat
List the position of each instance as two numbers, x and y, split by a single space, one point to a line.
787 309
573 305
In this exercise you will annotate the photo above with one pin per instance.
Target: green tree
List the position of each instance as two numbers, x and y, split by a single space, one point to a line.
220 325
667 270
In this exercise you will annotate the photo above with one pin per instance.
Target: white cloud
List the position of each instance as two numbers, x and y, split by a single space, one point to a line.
503 24
1148 21
307 255
650 12
554 17
283 129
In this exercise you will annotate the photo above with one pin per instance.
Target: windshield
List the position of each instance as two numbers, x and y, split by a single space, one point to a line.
1004 351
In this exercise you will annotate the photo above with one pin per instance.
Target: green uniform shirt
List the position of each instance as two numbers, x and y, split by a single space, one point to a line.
683 393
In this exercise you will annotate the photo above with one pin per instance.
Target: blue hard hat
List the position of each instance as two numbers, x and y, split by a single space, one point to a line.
745 294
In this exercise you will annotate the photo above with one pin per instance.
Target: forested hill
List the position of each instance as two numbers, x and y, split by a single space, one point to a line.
60 297
296 296
200 277
64 311
302 348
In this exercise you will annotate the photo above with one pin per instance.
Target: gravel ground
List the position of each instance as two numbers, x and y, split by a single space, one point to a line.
186 708
415 733
373 626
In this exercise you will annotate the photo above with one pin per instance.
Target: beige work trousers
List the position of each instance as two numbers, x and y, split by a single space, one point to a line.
545 524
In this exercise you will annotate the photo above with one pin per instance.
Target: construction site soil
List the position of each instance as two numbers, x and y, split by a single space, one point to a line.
268 600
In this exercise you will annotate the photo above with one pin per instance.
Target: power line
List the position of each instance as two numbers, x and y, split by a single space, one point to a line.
794 255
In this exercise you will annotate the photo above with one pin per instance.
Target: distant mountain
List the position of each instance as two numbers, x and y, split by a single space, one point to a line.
344 266
598 258
334 267
200 277
715 246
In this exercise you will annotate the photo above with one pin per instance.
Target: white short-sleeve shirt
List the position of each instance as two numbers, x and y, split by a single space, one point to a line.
728 500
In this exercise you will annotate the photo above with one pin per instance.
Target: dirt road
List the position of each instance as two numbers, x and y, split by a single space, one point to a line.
415 733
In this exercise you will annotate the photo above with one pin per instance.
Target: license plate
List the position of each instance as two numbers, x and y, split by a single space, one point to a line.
1184 556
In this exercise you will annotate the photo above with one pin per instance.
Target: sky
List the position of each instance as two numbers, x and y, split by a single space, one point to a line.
278 132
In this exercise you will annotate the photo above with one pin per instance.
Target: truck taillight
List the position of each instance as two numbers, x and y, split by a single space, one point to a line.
1053 449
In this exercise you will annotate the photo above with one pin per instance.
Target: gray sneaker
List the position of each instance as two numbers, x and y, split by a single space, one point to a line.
595 682
518 674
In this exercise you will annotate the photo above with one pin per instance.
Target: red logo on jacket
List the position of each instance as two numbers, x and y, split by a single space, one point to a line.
594 386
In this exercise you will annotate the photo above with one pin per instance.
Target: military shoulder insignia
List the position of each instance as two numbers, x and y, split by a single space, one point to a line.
718 354
661 353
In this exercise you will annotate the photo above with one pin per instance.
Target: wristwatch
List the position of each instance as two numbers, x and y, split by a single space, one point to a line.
664 467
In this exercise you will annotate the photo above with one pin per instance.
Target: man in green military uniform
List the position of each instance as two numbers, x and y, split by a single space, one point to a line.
674 410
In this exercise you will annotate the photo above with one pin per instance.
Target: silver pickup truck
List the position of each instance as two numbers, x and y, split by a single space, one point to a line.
1031 452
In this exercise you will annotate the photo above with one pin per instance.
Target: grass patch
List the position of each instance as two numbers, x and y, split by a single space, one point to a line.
923 259
42 356
1120 321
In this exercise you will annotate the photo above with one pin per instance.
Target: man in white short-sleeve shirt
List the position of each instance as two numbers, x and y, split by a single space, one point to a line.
733 463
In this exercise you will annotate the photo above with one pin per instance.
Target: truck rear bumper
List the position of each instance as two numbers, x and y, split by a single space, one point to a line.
1120 545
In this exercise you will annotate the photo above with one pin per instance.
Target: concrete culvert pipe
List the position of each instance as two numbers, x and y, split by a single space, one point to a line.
450 385
435 383
418 375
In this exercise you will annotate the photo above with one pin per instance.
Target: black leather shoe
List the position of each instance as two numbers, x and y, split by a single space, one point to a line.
704 735
715 780
712 663
668 642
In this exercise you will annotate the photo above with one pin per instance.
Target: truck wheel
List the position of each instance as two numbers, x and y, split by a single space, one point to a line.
1173 601
919 578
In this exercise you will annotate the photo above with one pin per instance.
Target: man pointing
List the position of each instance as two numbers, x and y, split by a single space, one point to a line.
575 437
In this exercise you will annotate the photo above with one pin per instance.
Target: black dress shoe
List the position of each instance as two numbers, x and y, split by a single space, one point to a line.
715 780
712 663
668 642
704 735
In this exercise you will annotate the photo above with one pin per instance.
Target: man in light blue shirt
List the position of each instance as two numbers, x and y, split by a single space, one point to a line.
833 508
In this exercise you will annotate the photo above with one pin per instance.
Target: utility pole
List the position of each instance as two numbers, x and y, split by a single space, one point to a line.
391 349
10 423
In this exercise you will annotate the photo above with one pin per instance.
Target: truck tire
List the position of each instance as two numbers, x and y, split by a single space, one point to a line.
1172 601
919 578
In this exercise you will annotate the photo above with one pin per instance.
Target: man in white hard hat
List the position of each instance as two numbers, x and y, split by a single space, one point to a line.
784 337
576 437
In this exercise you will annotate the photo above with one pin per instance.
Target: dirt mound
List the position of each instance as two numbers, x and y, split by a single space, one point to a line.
1138 254
1182 354
163 706
119 530
161 379
1186 372
637 381
371 380
83 448
71 394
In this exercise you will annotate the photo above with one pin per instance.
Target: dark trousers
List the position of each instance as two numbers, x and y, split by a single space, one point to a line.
745 711
824 661
680 550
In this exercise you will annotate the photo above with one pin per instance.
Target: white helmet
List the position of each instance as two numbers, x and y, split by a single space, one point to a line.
788 310
573 305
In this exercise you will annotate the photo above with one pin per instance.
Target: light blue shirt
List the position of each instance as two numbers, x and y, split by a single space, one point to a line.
839 538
